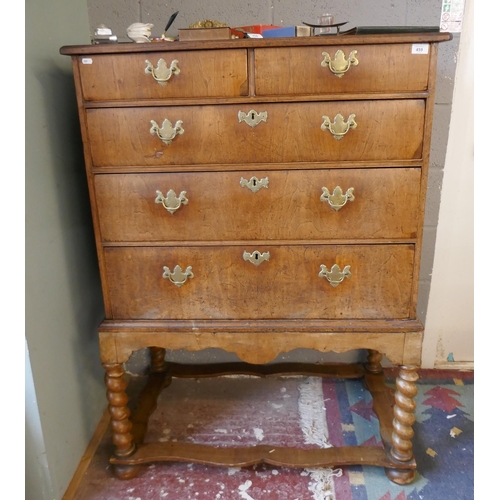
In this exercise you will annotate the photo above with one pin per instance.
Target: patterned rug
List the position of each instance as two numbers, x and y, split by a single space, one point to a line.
304 412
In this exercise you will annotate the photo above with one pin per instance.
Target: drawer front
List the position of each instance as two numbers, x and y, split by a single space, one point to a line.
306 70
265 205
222 284
210 73
292 132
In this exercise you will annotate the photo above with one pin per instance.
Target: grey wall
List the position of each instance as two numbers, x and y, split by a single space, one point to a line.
66 398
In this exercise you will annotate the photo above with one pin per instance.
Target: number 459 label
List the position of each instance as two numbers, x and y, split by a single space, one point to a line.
420 48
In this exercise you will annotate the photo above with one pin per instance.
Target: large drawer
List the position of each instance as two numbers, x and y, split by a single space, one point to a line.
292 132
306 70
225 285
208 73
274 205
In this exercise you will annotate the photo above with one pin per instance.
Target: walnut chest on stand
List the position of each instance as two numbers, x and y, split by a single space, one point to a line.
260 196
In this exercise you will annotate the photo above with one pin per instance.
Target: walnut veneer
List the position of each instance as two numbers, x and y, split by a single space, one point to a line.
260 196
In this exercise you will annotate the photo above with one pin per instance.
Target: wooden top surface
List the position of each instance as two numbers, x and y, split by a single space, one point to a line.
123 48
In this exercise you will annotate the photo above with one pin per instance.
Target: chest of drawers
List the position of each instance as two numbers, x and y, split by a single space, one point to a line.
259 196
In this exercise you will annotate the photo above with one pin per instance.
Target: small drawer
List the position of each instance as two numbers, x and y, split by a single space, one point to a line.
235 282
264 133
264 205
209 73
340 69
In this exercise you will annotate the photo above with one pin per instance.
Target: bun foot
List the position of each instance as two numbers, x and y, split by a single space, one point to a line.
126 471
400 476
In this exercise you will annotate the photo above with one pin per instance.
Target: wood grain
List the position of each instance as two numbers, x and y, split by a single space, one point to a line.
226 286
202 74
118 340
380 68
126 48
385 206
292 133
272 455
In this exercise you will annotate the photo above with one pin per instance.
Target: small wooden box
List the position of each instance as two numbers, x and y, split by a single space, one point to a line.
192 34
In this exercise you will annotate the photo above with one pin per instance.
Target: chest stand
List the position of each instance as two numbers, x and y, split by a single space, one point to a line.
394 409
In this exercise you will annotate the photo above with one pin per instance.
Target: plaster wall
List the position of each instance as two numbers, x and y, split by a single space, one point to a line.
64 379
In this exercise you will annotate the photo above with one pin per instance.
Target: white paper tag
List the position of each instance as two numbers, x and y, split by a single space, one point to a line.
86 60
452 15
420 48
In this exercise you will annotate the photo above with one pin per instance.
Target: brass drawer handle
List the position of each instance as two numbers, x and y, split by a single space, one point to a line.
335 276
339 127
252 118
254 184
337 199
339 65
171 202
167 132
256 258
178 277
162 72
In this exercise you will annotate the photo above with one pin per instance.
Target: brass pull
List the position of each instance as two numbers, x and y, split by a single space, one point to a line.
337 199
254 184
178 277
335 276
252 118
256 258
171 202
339 127
167 132
162 72
339 65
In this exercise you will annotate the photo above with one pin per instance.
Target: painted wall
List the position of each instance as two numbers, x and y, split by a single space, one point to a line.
450 318
66 396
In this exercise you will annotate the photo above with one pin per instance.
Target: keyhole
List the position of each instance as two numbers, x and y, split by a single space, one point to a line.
253 116
256 256
254 182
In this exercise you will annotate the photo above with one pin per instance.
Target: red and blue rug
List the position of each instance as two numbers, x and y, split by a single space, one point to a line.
302 412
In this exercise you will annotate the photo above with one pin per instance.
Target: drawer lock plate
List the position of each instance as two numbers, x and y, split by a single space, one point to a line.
256 258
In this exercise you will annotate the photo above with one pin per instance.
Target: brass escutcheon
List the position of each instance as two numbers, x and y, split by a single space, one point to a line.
254 184
337 199
168 132
171 202
339 65
252 118
162 72
256 258
335 276
178 277
338 128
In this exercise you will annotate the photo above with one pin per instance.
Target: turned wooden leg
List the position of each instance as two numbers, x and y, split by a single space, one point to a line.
404 418
120 422
158 363
373 361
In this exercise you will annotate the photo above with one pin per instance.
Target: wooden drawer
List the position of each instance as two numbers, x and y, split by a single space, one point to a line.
224 285
387 129
385 205
380 68
210 73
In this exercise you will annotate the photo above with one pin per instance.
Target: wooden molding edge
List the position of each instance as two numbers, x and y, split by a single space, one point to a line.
87 456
